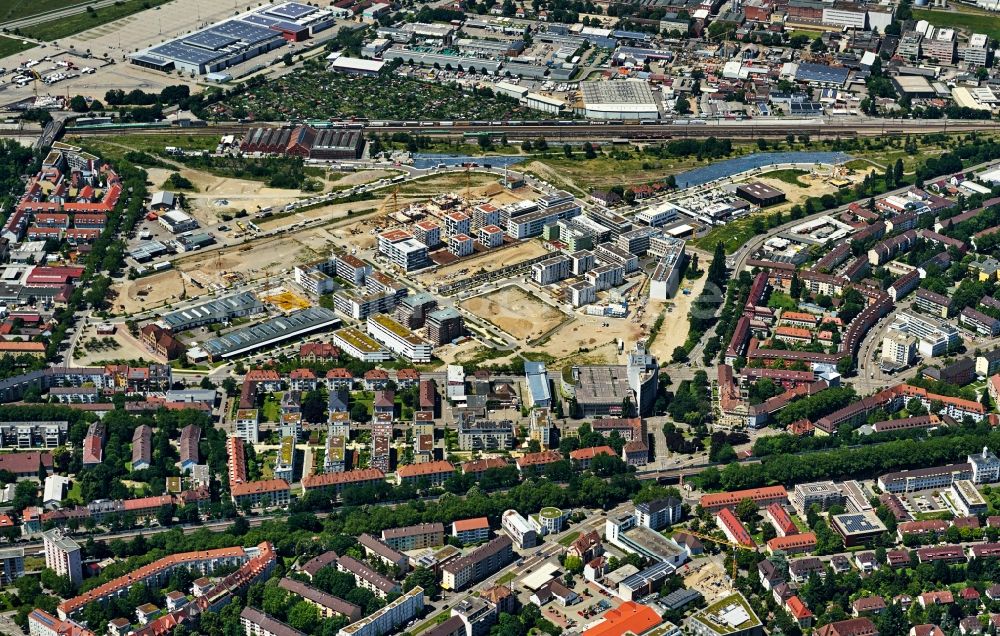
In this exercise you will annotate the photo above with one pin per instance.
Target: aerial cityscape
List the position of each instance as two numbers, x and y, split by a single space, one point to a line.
506 318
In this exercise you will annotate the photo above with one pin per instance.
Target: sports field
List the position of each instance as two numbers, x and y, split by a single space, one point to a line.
968 19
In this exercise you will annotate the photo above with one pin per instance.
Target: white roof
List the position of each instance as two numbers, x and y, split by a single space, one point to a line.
540 577
176 216
54 485
162 198
680 229
357 64
538 97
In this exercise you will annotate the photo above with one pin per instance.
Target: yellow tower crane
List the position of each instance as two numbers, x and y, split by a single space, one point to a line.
734 546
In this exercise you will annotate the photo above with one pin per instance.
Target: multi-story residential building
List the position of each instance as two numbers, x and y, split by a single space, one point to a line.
399 339
582 293
413 309
461 245
935 304
246 425
433 473
423 535
761 496
611 254
659 513
822 493
491 236
336 483
666 275
980 323
12 565
327 604
25 435
360 345
375 547
444 326
390 618
935 337
471 530
428 233
985 467
333 459
403 250
258 623
362 304
606 276
485 215
899 348
478 564
267 493
367 578
63 555
456 223
477 434
351 268
551 270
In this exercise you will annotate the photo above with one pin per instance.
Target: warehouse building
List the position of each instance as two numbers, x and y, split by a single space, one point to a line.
269 333
221 310
760 194
234 41
618 100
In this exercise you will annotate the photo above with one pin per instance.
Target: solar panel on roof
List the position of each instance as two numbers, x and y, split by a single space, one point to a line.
209 40
181 52
291 11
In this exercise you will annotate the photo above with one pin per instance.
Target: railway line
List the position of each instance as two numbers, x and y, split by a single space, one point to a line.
578 130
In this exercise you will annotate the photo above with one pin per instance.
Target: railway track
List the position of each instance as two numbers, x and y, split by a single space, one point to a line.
606 132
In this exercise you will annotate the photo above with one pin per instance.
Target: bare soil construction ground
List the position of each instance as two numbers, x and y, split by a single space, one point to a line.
488 262
516 312
675 326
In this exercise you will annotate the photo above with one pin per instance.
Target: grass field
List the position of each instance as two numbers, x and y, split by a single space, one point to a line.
568 539
968 19
790 177
437 619
71 25
10 46
732 234
17 9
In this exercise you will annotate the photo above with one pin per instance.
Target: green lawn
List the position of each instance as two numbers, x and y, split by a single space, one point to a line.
272 408
972 21
506 578
17 9
437 619
71 25
10 46
790 177
732 234
568 539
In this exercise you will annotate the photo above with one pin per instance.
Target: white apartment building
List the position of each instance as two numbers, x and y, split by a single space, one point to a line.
898 348
460 245
606 276
457 223
62 555
551 270
246 425
360 345
519 530
399 339
390 618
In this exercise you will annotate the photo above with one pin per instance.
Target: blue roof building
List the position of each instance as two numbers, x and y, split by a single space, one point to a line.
538 384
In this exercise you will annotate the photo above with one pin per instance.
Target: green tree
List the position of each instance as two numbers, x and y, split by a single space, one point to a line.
79 104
